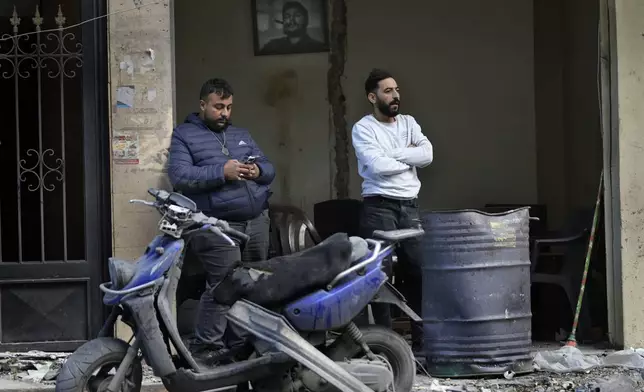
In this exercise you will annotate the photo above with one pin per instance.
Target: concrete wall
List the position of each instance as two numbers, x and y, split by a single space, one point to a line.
466 73
140 57
629 37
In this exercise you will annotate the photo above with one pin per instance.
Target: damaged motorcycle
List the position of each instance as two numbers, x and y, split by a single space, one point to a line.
301 336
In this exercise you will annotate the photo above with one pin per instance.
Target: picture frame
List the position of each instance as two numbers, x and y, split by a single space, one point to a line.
283 27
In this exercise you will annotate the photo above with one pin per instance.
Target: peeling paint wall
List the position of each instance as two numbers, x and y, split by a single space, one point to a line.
141 102
629 35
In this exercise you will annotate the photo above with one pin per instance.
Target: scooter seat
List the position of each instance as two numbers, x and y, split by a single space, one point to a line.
276 281
359 248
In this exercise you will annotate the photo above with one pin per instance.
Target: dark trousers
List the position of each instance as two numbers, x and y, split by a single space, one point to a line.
217 256
381 213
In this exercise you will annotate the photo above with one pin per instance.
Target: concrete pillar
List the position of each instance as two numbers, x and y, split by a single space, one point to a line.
629 42
142 107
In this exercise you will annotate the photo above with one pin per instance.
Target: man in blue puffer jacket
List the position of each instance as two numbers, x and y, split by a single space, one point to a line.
209 163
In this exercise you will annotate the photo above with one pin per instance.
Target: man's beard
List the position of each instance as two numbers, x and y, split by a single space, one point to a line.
387 108
217 125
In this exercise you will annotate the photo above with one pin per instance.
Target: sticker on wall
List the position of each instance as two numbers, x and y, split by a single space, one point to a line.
125 148
125 97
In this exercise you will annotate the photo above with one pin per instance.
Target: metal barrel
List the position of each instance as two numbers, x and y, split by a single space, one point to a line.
476 310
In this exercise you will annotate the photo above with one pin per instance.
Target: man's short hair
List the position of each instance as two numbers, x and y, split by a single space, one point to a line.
375 76
218 86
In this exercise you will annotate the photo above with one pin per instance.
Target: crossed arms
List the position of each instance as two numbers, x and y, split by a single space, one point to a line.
370 152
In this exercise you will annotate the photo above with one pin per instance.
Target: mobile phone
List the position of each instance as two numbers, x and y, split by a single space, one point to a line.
250 159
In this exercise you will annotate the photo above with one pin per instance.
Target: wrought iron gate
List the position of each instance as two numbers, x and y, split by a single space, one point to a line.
52 170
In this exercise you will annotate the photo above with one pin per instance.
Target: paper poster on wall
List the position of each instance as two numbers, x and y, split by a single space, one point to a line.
125 97
125 148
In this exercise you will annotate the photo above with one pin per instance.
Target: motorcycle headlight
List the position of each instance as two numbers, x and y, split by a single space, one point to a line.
121 272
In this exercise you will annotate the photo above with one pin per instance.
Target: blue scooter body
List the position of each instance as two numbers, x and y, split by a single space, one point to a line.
319 311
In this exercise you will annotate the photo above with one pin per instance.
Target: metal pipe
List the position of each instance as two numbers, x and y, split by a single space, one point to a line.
374 256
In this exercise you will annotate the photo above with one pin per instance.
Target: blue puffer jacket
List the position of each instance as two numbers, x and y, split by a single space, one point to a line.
196 168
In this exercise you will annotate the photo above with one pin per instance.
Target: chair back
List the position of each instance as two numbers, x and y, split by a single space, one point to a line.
291 230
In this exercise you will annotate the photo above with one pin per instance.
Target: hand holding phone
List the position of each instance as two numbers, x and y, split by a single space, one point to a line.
253 170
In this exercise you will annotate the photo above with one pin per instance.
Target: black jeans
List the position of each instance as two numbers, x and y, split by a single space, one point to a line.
381 213
217 256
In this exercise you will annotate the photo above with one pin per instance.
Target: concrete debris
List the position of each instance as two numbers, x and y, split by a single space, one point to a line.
566 369
596 380
38 374
435 386
34 355
619 383
33 366
38 368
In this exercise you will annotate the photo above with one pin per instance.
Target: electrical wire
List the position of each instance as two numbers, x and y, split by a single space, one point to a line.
12 37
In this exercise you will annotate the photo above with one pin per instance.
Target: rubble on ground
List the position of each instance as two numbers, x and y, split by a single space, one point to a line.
597 380
39 367
32 366
566 369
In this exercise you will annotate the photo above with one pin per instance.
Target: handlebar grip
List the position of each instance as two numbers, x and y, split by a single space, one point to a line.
236 233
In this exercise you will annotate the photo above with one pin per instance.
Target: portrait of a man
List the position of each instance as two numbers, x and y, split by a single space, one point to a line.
290 27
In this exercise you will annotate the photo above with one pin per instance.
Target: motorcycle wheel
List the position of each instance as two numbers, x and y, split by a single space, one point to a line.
385 342
89 368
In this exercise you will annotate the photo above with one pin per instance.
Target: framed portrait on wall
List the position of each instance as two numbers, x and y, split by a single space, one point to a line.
290 27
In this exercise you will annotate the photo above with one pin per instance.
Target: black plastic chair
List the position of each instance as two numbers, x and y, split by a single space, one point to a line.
291 231
567 250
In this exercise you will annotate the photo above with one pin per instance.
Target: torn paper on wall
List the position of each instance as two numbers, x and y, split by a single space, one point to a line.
125 97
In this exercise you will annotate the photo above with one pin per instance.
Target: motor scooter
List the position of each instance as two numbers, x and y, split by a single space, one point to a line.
301 336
